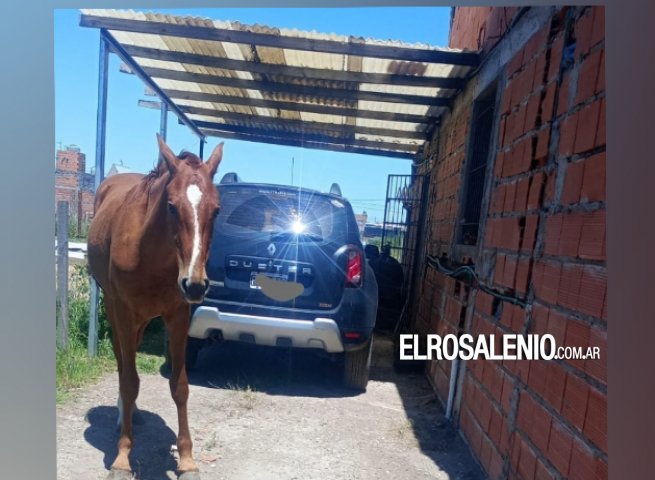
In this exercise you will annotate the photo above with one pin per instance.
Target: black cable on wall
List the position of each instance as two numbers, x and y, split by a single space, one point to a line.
469 273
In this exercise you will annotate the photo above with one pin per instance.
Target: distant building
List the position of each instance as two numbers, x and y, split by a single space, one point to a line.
115 169
73 184
361 219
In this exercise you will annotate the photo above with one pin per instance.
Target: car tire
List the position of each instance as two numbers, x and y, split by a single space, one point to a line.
193 346
357 367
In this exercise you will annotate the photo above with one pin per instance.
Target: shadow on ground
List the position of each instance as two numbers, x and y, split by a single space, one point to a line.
301 373
149 429
275 371
436 436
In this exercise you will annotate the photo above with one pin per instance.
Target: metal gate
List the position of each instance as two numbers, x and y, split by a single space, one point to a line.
403 219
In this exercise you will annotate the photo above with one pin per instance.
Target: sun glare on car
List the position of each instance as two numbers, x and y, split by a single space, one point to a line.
298 227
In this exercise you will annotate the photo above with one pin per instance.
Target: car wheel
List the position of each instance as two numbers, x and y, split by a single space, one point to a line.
357 366
193 346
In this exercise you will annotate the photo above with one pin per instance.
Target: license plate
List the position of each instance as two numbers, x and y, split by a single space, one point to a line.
269 275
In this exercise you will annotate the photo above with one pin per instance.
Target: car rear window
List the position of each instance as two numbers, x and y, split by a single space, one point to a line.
250 210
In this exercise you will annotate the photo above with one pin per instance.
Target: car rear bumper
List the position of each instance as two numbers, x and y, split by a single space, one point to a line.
322 333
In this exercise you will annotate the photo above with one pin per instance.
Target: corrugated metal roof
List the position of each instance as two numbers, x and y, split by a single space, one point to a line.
291 87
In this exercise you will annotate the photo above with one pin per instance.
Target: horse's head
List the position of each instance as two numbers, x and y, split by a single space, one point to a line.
193 204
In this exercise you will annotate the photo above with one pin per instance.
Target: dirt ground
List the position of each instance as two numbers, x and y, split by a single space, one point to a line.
260 413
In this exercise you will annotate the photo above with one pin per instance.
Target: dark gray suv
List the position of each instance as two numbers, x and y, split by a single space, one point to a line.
287 269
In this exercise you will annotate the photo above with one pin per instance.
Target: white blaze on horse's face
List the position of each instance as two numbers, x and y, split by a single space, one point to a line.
194 195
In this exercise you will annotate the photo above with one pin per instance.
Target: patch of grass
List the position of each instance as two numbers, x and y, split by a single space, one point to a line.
151 364
74 367
151 355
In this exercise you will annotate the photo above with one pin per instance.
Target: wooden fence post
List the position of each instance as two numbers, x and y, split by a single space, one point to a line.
62 274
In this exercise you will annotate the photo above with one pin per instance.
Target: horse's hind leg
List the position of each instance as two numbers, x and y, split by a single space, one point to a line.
115 343
124 325
177 323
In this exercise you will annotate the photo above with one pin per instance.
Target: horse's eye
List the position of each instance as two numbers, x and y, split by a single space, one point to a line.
216 212
172 208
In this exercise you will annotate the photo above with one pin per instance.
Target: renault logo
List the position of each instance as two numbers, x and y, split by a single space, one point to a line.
271 249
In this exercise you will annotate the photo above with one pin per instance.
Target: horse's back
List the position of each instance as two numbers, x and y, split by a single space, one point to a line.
116 187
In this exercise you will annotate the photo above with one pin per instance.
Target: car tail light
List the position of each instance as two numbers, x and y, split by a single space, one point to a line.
354 268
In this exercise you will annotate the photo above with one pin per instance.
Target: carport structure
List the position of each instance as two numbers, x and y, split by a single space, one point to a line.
286 87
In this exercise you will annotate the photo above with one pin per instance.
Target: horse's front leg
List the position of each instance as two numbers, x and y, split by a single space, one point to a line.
177 323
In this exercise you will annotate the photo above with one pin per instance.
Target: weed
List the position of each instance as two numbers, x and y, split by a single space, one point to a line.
211 443
248 395
405 429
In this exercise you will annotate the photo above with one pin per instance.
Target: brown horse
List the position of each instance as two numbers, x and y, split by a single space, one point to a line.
148 245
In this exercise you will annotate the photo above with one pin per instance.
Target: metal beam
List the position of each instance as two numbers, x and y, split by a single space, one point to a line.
150 104
310 137
101 115
301 124
138 71
163 120
354 46
101 130
301 107
272 69
299 90
310 144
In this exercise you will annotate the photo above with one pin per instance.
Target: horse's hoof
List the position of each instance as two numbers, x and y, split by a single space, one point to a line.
116 474
189 476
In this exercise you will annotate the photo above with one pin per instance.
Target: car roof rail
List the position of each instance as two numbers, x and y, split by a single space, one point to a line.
335 189
230 177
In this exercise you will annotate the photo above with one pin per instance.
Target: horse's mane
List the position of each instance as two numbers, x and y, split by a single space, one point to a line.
158 170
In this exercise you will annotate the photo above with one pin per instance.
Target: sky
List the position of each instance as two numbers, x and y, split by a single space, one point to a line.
130 131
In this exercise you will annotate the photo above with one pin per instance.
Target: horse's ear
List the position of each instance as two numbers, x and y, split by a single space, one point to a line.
215 159
167 155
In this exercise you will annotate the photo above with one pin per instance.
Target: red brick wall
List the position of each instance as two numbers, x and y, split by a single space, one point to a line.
480 28
63 195
544 241
442 299
77 199
87 204
72 184
66 186
71 161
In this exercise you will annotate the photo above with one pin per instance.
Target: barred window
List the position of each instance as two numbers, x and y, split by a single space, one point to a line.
479 144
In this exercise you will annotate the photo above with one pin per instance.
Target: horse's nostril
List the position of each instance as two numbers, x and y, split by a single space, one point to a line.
194 290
